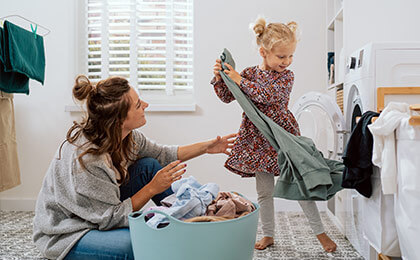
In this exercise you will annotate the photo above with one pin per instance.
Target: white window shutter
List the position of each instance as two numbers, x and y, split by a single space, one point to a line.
149 42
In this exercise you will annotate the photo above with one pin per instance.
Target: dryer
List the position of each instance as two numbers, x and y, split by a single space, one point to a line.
372 66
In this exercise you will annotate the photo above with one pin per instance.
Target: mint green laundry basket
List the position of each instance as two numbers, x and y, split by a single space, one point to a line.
225 240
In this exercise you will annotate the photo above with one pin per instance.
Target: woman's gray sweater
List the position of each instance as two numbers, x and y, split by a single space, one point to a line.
74 200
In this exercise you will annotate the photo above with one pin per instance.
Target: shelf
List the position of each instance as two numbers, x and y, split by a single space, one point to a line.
335 44
337 17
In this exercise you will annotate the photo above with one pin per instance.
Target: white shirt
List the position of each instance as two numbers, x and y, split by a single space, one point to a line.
384 152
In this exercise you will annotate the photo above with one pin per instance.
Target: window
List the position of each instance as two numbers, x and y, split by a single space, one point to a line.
149 42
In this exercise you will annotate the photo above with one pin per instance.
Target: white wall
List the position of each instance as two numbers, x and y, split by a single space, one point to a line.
381 21
42 123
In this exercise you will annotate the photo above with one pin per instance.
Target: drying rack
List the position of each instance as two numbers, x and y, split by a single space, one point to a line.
27 27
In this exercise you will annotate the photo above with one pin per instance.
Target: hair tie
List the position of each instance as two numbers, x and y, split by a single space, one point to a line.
94 89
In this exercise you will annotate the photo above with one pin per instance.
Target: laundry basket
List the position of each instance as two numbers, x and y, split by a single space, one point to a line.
225 240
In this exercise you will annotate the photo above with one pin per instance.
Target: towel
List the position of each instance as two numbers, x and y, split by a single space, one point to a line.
304 173
11 82
24 52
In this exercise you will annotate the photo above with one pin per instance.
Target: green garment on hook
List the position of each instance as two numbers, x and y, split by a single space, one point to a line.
23 53
304 173
11 82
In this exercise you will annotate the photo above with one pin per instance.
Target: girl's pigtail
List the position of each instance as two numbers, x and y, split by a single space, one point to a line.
259 26
295 29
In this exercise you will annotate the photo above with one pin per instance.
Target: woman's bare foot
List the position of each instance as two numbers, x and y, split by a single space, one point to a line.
326 242
264 243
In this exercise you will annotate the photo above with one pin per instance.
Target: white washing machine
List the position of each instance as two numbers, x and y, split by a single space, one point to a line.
371 222
372 66
320 119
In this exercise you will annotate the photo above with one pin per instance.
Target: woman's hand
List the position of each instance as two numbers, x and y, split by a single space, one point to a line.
233 74
221 144
217 68
166 176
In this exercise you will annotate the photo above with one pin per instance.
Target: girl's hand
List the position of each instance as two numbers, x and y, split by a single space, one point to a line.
222 144
233 74
166 176
217 68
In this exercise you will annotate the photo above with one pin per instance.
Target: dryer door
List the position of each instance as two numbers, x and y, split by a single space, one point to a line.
320 119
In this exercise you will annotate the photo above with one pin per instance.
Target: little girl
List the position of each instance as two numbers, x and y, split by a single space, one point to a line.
268 85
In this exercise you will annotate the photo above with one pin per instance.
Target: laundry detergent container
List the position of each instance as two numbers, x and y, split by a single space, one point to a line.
225 240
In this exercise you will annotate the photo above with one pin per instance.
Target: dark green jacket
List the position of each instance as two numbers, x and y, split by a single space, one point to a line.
304 173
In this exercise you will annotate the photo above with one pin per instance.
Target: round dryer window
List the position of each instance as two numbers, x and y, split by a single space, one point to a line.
320 119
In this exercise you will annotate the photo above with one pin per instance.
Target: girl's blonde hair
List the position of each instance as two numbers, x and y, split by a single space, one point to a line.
274 33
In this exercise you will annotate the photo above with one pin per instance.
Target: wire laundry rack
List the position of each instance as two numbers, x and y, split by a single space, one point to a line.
28 25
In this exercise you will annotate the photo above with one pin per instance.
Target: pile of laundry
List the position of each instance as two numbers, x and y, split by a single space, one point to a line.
193 202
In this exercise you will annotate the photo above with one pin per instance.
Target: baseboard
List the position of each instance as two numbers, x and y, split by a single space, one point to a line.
17 204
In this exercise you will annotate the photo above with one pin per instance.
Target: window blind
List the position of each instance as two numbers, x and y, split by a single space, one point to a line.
149 42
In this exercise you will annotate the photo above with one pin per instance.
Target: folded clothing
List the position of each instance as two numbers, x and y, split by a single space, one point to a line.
357 157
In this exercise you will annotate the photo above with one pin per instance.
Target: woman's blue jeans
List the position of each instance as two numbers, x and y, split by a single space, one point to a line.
116 243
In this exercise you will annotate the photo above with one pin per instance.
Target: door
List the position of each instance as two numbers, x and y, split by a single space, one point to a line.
320 119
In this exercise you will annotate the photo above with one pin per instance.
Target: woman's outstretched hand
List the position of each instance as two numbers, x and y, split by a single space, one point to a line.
221 144
166 176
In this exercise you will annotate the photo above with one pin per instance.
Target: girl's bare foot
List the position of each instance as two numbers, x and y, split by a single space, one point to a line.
264 243
326 242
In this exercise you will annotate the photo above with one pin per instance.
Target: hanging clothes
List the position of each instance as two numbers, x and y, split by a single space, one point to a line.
9 164
304 173
384 153
357 157
11 82
23 53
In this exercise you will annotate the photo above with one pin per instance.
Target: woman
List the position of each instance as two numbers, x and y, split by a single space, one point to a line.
105 170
